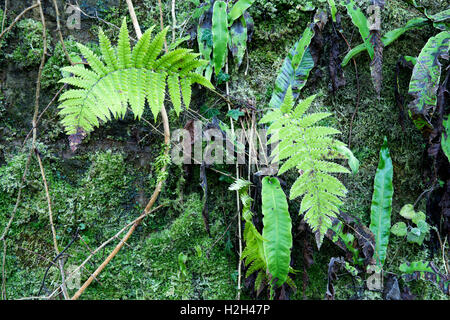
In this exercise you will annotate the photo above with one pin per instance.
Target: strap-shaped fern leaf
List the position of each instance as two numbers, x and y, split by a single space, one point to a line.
262 255
277 230
308 147
122 77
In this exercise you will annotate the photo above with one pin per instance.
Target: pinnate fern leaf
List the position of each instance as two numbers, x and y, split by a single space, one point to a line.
309 148
123 78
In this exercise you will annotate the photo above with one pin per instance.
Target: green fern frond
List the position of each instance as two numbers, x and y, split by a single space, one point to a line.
253 253
123 78
308 147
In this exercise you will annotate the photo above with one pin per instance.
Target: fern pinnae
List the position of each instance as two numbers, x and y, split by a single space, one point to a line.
155 48
174 92
166 61
128 79
196 78
186 91
94 62
79 70
140 49
123 47
107 51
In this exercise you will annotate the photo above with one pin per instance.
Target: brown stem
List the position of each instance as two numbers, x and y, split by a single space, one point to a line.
161 20
157 190
58 28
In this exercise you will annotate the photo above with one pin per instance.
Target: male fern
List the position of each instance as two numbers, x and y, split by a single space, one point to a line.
308 147
122 77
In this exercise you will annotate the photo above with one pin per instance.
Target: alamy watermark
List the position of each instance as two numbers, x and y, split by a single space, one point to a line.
74 17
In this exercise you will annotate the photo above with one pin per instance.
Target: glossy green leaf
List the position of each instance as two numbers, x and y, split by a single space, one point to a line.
277 230
380 215
205 41
294 71
407 211
425 78
238 40
353 162
419 216
440 16
417 235
235 114
360 21
238 9
220 35
399 229
333 9
387 39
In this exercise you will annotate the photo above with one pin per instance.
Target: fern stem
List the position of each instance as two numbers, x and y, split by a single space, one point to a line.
58 28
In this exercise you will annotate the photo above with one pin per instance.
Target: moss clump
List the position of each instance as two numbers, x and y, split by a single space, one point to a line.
209 267
51 71
151 270
29 50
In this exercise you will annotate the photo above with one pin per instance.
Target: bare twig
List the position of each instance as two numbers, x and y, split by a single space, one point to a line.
358 94
58 29
104 244
238 203
174 21
137 28
4 272
42 113
19 194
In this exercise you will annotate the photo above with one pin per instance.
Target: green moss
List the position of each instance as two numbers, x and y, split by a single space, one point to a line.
29 50
51 71
151 270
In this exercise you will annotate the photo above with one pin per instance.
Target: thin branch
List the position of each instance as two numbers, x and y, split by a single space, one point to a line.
238 203
58 29
174 21
137 28
43 111
104 244
161 21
